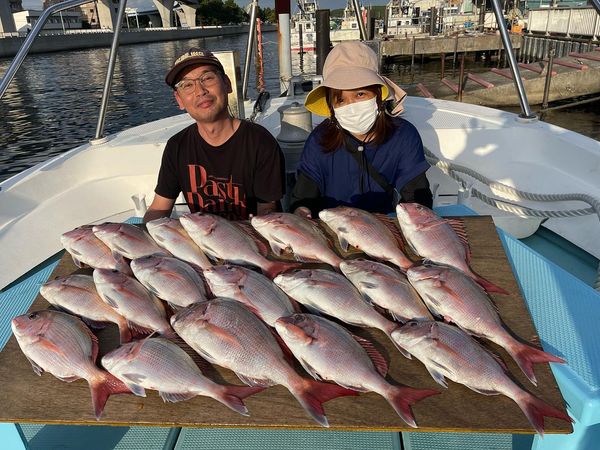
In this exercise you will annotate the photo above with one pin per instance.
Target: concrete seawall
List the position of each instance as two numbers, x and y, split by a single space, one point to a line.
9 46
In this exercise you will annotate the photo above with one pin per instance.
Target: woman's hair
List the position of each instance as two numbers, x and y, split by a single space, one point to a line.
333 136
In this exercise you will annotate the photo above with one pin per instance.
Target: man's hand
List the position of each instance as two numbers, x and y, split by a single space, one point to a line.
160 207
303 211
265 208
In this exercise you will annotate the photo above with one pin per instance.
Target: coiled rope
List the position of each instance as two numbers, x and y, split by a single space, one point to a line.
508 192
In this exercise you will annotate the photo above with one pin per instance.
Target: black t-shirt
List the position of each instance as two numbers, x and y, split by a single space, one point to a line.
227 180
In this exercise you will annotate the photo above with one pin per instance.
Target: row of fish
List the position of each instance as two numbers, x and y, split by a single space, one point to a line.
195 236
208 328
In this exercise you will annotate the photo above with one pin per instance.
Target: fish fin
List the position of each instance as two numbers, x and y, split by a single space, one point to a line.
255 381
51 346
124 332
77 262
313 394
401 399
152 289
121 264
174 307
249 230
69 379
488 285
276 267
223 334
300 334
109 300
535 409
104 386
391 224
344 244
118 253
367 285
310 370
458 225
313 310
397 317
437 376
174 397
36 367
233 395
276 247
136 389
378 360
483 391
138 330
134 377
526 355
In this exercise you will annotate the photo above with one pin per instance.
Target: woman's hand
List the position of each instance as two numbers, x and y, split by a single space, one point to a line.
303 211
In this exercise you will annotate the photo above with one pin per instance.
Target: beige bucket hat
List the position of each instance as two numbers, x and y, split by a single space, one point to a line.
351 65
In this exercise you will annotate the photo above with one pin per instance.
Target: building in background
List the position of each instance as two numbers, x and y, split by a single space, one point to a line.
66 20
16 6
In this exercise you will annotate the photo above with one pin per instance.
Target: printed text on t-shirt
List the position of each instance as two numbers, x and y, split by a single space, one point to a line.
217 195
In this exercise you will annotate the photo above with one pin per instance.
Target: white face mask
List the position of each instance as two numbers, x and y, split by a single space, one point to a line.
358 117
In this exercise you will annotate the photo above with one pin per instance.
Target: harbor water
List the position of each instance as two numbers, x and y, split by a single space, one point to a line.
53 102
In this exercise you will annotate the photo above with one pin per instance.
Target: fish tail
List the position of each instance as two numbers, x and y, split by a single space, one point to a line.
103 387
401 399
125 334
488 285
233 396
403 262
274 268
536 409
313 394
526 356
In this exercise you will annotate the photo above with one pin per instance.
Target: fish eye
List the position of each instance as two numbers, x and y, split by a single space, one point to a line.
114 271
33 316
413 323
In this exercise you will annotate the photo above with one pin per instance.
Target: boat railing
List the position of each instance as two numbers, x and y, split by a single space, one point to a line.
14 66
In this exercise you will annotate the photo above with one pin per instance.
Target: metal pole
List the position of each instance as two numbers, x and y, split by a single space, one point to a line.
22 53
361 24
111 69
514 68
62 22
323 39
548 78
253 12
285 52
461 77
443 61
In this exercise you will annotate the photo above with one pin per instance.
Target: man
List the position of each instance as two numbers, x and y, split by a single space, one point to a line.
223 165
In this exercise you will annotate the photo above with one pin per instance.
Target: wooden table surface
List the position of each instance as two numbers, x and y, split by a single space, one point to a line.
25 397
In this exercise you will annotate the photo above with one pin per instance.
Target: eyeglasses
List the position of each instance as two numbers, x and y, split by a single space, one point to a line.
188 85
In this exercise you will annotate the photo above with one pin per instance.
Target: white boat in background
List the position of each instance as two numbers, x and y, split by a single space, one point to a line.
403 18
303 27
497 158
348 29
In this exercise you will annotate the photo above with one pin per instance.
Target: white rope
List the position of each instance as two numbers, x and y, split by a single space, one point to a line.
452 171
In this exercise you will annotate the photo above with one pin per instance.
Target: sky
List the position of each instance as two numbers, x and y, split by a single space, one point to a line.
147 4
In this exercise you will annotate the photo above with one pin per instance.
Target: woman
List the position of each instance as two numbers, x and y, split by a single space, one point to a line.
362 155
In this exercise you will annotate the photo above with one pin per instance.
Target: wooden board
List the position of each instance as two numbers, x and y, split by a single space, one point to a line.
25 397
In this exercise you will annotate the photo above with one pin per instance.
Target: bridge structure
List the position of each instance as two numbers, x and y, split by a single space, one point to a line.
107 14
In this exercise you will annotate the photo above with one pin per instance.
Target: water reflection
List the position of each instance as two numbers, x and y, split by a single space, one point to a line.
52 104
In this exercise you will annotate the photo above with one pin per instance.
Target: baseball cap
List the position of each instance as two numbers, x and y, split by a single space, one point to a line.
350 65
193 57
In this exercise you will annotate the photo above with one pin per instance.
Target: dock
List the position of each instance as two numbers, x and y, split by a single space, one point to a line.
575 75
436 45
82 39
